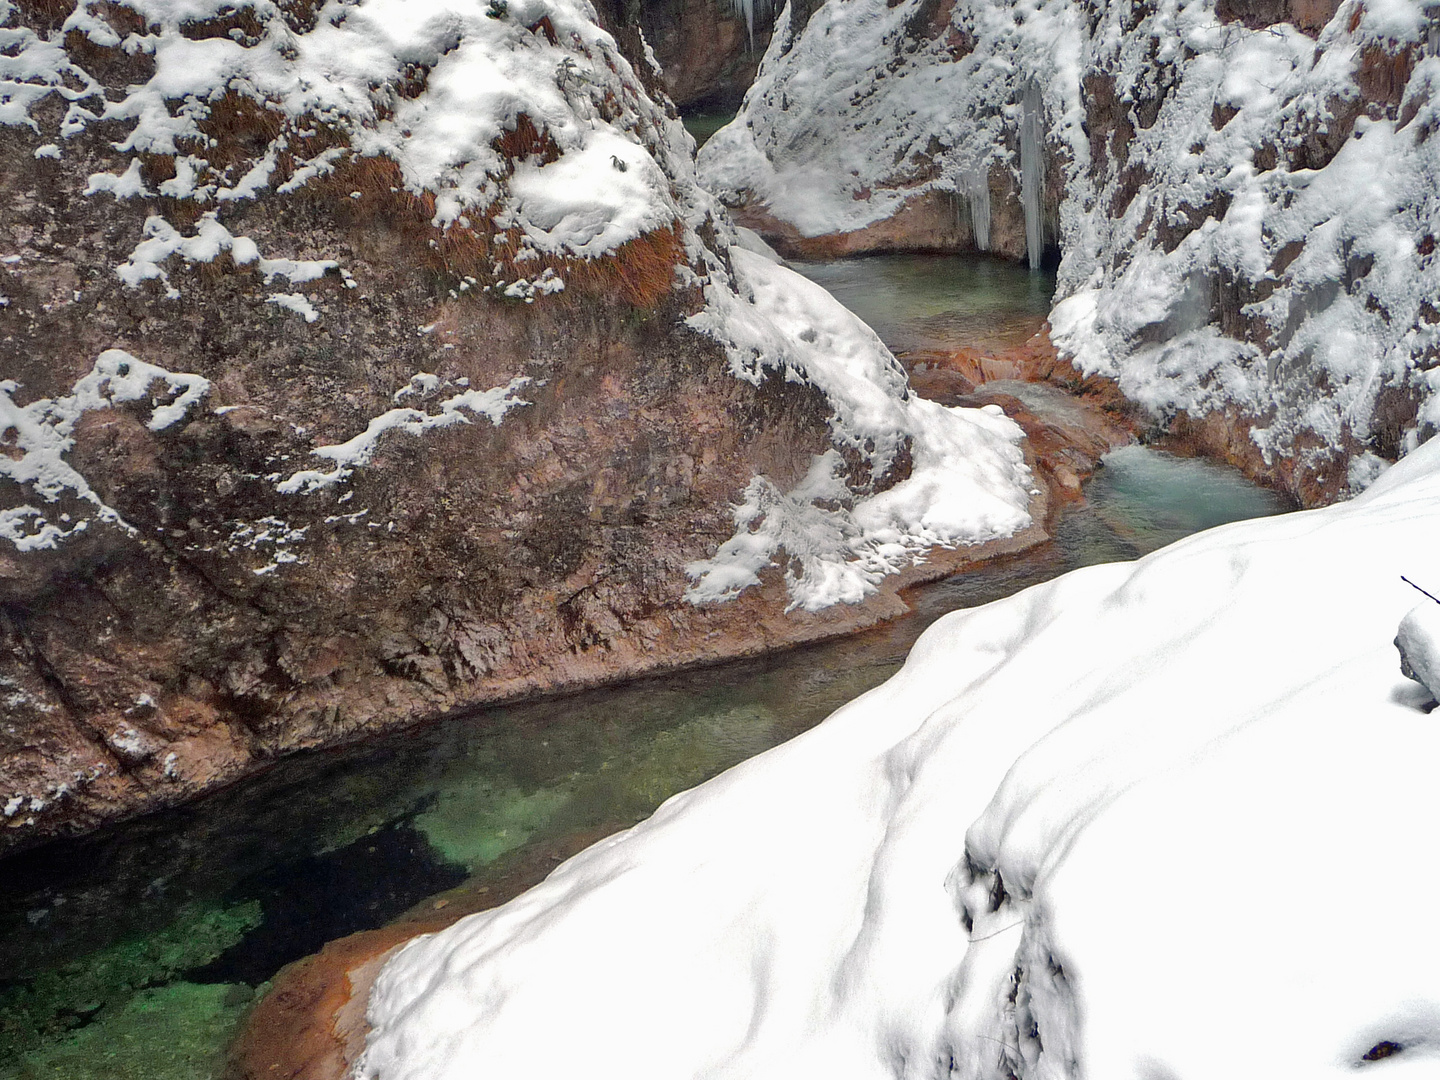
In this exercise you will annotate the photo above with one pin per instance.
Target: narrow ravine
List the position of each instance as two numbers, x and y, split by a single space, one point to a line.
139 951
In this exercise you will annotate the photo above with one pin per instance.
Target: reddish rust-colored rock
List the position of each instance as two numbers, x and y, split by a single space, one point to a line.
311 1023
931 221
1065 445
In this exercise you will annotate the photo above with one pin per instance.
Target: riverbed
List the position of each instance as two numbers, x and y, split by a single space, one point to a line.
137 952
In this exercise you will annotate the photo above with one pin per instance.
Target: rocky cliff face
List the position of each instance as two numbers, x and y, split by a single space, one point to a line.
1243 193
358 367
708 51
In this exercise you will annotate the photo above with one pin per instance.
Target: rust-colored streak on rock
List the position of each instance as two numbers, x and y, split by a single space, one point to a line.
311 1024
1063 449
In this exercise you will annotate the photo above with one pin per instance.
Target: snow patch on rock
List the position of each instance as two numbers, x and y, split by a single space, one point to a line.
620 163
967 480
1419 643
1249 217
296 302
359 450
41 433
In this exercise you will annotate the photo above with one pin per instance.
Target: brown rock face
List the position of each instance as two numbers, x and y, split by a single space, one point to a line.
247 520
931 221
707 54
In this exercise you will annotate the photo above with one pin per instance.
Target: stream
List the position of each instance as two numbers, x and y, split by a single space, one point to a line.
135 953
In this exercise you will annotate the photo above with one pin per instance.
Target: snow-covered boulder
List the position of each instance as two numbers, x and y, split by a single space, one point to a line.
1112 826
1419 643
1243 195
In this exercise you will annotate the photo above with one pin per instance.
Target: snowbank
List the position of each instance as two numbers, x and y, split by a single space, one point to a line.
967 480
1170 818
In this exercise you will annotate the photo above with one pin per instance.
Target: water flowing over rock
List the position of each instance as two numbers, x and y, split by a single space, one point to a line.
1243 194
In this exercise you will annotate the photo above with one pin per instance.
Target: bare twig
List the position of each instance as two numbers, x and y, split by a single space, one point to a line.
1417 588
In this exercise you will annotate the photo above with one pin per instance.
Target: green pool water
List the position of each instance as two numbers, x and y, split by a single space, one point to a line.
702 123
134 954
922 303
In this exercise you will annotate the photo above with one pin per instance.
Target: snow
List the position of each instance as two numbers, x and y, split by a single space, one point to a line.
359 450
1169 818
211 240
1324 256
591 200
295 302
41 433
968 480
1418 640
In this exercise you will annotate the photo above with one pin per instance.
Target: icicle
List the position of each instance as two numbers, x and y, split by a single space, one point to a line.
1032 171
977 193
749 9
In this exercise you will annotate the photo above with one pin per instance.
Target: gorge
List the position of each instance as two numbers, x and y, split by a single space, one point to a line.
370 364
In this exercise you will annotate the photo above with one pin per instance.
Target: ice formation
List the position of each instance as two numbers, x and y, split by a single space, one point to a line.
1248 214
1103 828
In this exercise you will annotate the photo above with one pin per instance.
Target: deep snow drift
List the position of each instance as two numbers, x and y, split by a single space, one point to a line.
1248 213
1170 818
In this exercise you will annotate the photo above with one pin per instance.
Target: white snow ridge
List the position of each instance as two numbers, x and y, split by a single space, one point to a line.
1163 819
968 481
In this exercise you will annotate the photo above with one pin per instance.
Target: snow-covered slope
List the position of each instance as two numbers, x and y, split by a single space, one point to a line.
1244 193
1170 818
